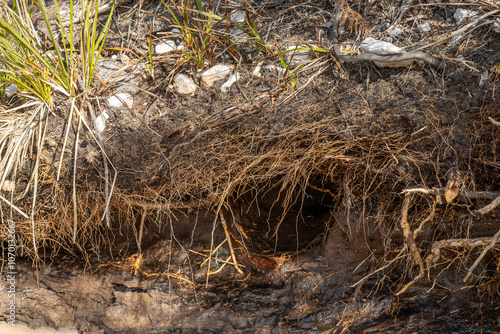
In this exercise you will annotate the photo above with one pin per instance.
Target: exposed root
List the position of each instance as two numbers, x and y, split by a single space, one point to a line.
410 241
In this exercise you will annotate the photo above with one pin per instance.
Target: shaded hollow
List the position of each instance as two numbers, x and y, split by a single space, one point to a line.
272 224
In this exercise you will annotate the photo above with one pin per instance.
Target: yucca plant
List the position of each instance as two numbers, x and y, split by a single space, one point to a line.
42 74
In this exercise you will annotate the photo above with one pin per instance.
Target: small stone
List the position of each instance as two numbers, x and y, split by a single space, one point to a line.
425 27
227 85
496 26
184 84
8 185
462 14
237 17
299 56
238 36
11 90
114 57
100 122
256 70
166 46
395 32
215 73
119 99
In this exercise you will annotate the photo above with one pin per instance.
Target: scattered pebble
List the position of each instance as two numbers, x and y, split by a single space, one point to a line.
299 56
100 122
425 27
372 45
462 14
8 185
238 36
119 99
114 57
166 46
256 70
215 73
227 85
184 84
237 17
273 68
496 26
395 32
11 90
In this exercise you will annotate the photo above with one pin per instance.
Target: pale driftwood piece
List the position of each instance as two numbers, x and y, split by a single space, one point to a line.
410 241
412 55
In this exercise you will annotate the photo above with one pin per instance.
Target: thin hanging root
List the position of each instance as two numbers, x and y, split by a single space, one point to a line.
141 229
75 206
410 241
211 253
230 244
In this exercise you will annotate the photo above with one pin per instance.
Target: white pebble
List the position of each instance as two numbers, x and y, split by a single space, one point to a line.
237 17
165 46
11 90
215 73
8 185
227 85
100 122
462 14
425 27
184 84
119 99
256 70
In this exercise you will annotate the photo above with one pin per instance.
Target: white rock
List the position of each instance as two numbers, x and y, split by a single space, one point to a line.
166 46
395 32
462 14
237 17
175 31
425 27
279 70
227 85
381 48
496 26
299 56
8 185
114 57
119 99
215 73
256 70
180 46
184 84
238 36
100 122
11 90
